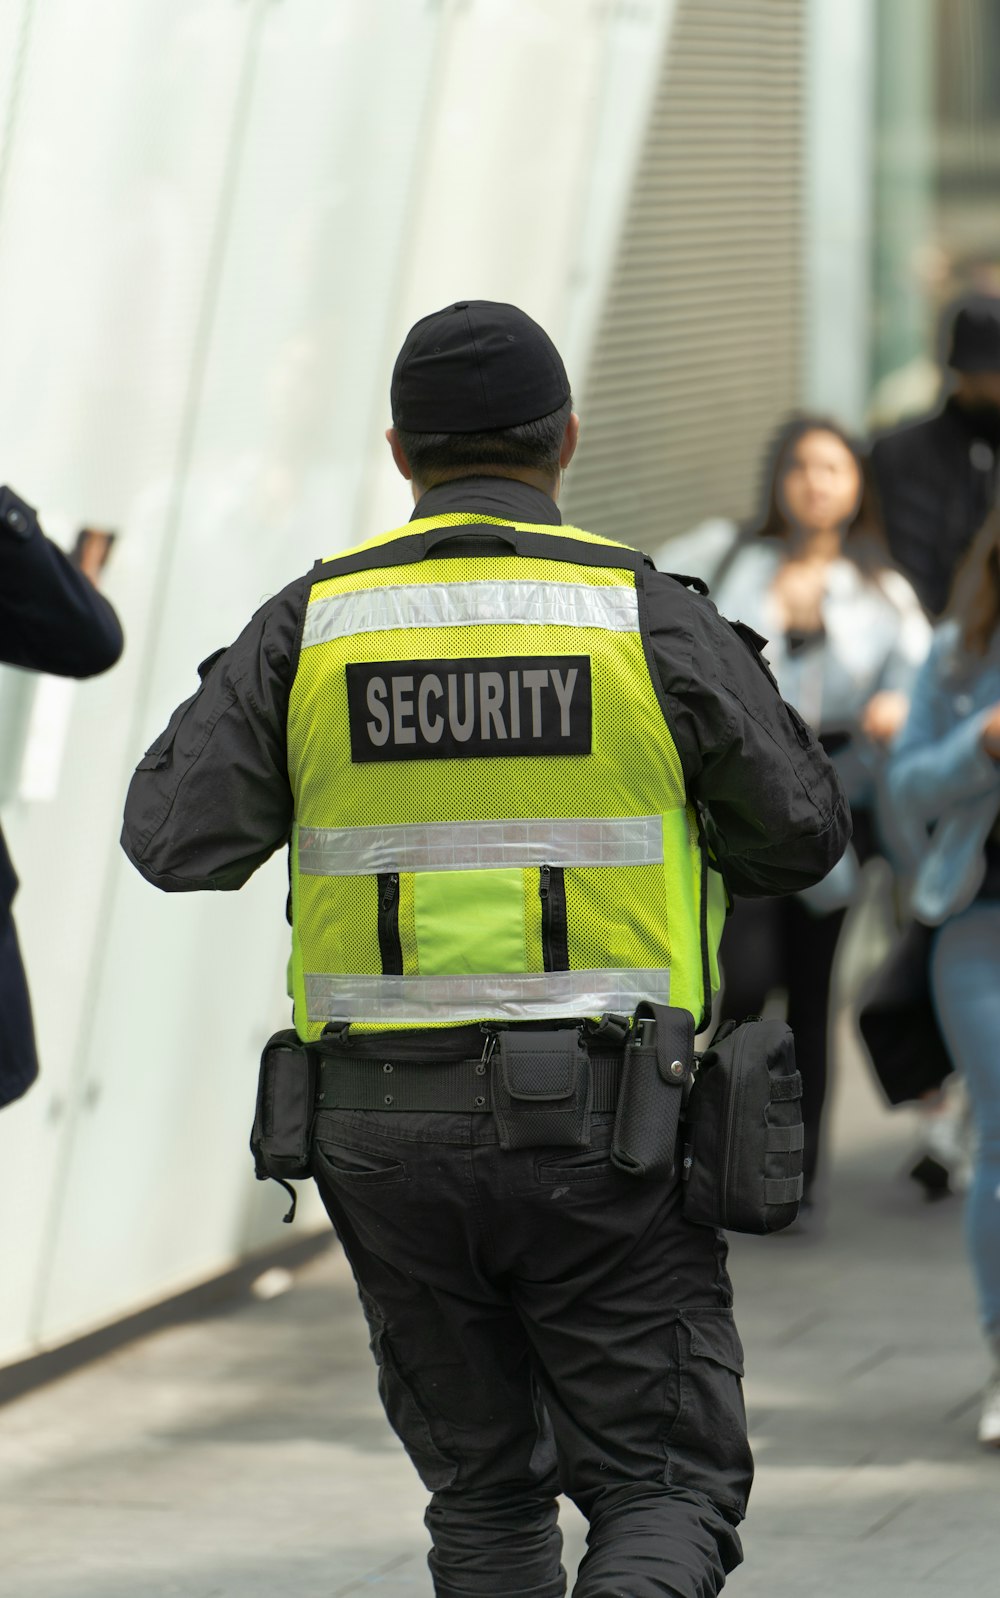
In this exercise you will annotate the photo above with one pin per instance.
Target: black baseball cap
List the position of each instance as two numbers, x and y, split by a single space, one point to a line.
975 335
476 367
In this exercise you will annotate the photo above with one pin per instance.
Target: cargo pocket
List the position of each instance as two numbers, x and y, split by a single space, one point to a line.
404 1411
583 1165
706 1445
356 1167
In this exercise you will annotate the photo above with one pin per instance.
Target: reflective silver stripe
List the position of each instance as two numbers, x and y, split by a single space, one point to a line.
517 996
510 604
477 845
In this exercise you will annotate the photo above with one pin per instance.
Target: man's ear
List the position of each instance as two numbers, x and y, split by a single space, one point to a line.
571 438
402 464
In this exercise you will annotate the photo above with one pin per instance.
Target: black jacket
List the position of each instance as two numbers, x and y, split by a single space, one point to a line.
937 479
51 619
211 799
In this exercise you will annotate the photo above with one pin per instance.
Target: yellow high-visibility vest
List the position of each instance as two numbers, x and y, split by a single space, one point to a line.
491 816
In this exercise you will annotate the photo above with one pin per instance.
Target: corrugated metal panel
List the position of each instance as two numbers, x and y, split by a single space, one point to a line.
698 353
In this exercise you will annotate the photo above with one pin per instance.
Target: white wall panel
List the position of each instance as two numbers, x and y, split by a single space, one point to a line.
105 234
207 262
266 482
840 139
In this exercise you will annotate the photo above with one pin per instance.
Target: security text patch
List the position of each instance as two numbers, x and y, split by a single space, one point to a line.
460 709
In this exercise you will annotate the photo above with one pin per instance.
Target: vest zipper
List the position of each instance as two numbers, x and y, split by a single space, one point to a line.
555 933
390 946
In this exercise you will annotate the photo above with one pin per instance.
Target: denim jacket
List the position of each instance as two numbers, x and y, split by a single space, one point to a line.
943 787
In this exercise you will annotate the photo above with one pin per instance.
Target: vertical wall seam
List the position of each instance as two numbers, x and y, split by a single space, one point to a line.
19 73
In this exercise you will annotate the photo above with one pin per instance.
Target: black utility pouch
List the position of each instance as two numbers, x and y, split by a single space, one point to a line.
743 1131
541 1090
657 1068
281 1138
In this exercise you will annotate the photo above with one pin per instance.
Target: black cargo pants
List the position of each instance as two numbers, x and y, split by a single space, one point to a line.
544 1324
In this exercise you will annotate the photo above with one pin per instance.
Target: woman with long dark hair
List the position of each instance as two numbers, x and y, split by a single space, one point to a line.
944 777
846 635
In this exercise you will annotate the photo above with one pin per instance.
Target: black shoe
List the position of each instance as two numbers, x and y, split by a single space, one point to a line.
932 1176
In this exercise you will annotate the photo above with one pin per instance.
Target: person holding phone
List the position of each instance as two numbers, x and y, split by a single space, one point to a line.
52 619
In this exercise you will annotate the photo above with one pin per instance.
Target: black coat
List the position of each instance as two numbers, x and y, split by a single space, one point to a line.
53 620
937 479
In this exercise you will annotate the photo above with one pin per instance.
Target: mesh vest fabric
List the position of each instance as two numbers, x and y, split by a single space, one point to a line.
470 936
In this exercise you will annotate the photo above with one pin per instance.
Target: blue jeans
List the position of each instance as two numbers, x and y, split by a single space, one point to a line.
965 979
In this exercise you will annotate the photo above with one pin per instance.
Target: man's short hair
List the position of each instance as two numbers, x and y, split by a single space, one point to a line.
535 445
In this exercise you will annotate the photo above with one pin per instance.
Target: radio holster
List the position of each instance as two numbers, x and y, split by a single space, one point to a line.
656 1071
283 1120
541 1090
743 1131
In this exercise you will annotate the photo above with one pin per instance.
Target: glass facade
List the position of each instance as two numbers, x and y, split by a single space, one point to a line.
936 185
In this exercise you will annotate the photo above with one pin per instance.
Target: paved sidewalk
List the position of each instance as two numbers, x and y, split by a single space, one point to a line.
245 1454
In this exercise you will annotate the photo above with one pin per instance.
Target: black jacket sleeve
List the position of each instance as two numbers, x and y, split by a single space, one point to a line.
778 817
51 617
934 498
210 801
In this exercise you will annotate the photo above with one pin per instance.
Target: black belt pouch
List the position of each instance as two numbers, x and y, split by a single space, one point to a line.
286 1100
657 1068
541 1090
743 1126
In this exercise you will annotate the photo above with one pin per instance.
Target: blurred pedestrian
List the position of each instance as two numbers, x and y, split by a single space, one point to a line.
845 637
937 476
944 777
52 619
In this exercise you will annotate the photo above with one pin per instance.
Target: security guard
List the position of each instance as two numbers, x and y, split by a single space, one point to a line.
516 768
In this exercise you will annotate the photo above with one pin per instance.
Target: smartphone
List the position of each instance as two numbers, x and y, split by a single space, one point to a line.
90 552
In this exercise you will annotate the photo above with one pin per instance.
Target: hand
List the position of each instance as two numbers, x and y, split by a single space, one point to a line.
798 591
991 733
884 715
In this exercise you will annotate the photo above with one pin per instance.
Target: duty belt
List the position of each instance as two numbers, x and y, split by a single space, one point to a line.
347 1082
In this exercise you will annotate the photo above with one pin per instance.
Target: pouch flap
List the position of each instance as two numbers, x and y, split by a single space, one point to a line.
540 1066
290 1095
673 1039
674 1042
714 1336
